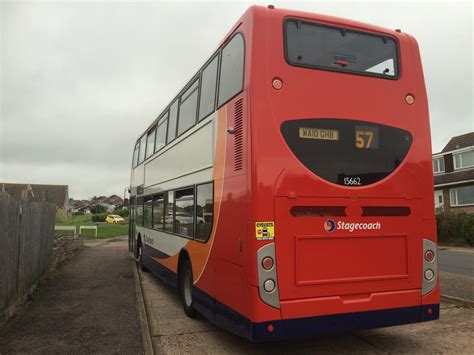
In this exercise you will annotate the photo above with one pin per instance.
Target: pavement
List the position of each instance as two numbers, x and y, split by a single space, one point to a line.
172 332
88 306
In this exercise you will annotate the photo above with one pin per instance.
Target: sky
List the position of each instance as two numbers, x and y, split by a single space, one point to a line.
80 81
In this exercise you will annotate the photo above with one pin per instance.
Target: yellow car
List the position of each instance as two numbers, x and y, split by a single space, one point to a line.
114 218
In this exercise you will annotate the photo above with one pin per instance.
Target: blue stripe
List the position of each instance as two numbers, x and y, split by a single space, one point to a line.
234 322
165 274
152 251
341 323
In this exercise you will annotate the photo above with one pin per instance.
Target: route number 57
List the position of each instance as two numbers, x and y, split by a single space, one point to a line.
364 139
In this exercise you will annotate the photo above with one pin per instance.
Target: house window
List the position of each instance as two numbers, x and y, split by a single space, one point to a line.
438 198
462 196
438 165
464 160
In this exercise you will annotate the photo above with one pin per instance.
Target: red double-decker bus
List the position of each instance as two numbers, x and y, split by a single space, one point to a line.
287 190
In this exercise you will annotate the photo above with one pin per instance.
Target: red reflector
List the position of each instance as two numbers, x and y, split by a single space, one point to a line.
270 328
267 263
429 256
430 311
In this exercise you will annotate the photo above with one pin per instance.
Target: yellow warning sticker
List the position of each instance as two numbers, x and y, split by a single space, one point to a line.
264 230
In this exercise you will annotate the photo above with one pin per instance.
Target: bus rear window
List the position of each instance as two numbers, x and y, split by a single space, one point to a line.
316 46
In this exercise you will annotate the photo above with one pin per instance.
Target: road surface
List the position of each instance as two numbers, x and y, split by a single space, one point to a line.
456 262
172 332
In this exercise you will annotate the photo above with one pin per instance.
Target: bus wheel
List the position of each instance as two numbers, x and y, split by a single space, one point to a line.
140 259
186 289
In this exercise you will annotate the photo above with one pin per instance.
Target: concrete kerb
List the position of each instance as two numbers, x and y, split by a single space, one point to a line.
468 250
457 301
146 335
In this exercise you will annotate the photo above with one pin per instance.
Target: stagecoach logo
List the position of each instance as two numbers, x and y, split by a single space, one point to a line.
330 226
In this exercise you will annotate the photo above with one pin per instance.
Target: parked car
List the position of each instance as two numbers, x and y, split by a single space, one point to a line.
114 218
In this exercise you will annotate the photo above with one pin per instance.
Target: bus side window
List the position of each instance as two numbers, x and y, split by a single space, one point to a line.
204 211
184 212
139 211
208 89
135 154
158 209
188 108
231 80
161 132
150 142
147 215
169 211
173 119
141 154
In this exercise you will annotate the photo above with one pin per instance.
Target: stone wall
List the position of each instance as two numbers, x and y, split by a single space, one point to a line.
64 248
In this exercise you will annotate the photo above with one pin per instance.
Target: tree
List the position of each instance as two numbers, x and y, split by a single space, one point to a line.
97 209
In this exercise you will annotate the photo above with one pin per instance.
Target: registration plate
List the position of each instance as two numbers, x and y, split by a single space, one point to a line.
318 133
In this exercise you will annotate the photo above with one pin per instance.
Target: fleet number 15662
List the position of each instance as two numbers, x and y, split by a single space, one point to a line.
352 181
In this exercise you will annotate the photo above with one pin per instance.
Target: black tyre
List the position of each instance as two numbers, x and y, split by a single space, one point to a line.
140 258
186 289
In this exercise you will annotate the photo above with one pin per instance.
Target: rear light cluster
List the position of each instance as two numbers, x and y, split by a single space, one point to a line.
267 263
429 255
267 278
430 266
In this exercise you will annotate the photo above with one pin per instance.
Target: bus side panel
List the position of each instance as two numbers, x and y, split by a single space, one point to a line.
230 241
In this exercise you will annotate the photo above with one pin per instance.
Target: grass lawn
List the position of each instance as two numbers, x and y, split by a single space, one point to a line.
104 230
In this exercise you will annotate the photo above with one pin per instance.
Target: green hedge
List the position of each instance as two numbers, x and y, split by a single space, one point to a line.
455 228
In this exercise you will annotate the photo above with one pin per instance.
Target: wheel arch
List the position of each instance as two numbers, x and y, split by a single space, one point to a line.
183 256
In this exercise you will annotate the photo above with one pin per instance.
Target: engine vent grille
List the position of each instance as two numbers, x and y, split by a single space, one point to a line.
238 135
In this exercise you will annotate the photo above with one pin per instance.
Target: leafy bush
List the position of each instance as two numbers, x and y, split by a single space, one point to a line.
455 228
121 213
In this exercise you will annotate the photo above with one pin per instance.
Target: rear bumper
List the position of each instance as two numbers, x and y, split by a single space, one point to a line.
339 323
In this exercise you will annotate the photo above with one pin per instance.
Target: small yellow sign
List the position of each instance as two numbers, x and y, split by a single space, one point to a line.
318 133
264 230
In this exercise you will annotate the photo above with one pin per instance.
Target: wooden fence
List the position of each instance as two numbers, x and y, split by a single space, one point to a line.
26 244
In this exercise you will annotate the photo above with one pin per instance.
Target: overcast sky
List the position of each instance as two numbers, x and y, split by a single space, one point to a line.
80 81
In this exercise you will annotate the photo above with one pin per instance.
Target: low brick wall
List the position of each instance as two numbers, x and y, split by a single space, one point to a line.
64 248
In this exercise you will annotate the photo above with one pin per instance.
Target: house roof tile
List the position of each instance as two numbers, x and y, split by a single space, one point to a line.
455 176
458 142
